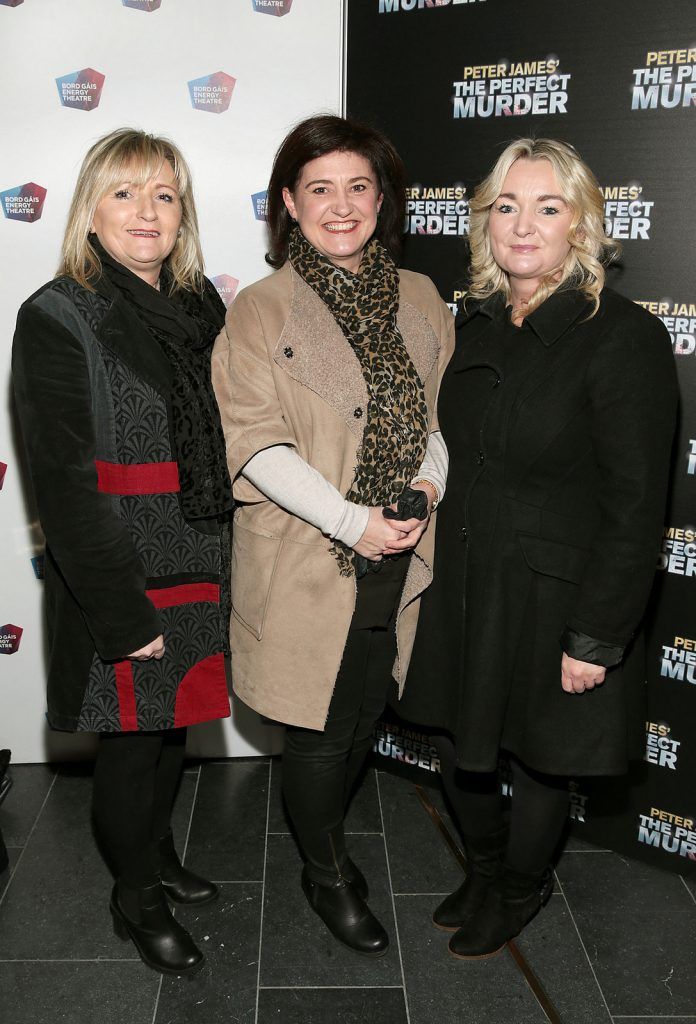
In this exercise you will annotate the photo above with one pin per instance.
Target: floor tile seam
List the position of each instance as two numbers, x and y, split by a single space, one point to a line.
391 892
584 947
190 821
155 1008
237 881
71 960
331 988
691 894
288 833
263 888
397 894
11 879
157 998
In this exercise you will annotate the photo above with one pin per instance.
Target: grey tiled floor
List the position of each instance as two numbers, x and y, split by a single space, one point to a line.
616 943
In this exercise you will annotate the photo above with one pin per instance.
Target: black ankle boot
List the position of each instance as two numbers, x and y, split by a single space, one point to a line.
483 857
352 873
511 903
143 915
346 915
180 884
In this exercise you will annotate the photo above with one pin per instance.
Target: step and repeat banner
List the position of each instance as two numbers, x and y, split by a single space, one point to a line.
225 79
452 82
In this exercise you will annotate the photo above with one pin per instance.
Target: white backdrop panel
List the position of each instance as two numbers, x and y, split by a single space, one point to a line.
286 68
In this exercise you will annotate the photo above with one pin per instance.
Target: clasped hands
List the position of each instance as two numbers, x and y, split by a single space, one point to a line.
389 536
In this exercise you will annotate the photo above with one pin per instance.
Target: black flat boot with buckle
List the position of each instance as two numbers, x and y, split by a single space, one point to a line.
511 903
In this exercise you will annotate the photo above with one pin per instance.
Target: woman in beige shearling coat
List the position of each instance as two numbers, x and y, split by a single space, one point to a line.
327 376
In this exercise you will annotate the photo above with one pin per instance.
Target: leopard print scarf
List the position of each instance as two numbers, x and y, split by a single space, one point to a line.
396 429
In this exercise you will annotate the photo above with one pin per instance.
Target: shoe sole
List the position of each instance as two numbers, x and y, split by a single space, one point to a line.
450 928
479 956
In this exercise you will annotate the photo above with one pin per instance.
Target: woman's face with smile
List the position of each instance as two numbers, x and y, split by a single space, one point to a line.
529 224
335 203
138 224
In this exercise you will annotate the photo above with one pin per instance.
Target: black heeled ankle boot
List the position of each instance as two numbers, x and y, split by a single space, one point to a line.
180 884
346 915
511 903
143 915
483 858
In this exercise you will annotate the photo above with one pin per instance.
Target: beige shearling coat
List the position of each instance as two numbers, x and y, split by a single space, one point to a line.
284 373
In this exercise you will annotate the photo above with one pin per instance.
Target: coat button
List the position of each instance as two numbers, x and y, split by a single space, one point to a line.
480 458
288 352
358 413
496 382
463 533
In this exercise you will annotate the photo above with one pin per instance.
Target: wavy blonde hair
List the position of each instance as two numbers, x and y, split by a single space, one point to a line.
128 154
590 248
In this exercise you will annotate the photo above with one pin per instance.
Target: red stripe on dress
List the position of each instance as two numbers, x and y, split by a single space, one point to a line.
202 695
126 695
137 478
186 593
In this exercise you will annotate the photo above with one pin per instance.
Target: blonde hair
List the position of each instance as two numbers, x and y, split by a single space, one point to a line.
590 248
129 154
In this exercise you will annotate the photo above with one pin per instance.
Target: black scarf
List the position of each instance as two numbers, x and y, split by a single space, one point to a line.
185 325
396 428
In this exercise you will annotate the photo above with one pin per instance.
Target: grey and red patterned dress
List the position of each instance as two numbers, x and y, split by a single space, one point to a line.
123 564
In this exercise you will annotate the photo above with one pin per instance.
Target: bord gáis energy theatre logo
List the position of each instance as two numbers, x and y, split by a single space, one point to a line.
143 5
23 202
81 90
278 8
10 637
212 92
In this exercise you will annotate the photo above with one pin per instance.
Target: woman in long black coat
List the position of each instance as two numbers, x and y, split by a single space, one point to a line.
111 365
558 411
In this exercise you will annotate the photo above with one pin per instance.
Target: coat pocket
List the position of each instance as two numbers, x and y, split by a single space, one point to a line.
551 558
254 560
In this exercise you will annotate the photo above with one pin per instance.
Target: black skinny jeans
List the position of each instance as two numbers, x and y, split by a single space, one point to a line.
320 768
135 780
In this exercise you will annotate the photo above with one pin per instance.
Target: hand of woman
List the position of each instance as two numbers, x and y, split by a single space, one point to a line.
413 528
406 534
379 533
578 676
155 650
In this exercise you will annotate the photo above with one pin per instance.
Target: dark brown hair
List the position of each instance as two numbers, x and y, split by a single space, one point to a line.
316 137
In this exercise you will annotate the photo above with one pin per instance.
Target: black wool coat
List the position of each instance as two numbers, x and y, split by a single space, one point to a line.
92 389
559 435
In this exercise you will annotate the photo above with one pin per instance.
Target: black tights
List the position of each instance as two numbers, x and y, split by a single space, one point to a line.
538 812
135 780
321 768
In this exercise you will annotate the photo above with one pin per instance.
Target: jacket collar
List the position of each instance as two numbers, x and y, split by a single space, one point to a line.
549 321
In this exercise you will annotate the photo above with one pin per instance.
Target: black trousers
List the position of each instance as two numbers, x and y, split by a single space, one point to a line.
538 813
320 768
136 775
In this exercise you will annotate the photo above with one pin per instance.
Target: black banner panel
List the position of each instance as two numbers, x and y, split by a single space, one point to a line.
452 82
